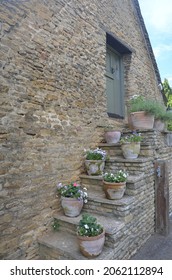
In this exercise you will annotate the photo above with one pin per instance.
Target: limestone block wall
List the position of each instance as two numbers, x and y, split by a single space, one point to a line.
53 102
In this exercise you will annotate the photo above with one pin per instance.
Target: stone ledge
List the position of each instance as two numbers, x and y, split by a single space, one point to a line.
124 201
65 246
110 224
123 160
131 178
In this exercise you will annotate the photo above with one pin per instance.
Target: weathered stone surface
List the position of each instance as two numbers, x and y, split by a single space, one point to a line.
53 104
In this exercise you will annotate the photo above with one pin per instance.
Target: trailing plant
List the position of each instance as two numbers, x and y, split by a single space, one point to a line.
88 226
73 190
134 137
55 224
96 154
118 177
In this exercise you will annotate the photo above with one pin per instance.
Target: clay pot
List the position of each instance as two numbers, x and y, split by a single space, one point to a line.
91 246
112 137
71 206
141 120
114 190
94 167
131 150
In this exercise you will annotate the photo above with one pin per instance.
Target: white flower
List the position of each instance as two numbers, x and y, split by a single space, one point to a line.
86 226
59 186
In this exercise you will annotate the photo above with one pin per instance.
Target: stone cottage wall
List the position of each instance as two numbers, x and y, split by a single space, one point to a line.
53 102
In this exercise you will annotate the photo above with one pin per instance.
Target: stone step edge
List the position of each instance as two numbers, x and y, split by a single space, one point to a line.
138 160
67 246
126 200
104 144
131 178
110 224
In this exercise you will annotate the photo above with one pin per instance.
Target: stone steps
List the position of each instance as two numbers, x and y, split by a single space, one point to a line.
134 183
120 209
69 224
116 216
134 166
64 246
63 243
114 150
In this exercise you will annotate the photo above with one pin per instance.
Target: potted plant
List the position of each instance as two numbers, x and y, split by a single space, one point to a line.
112 136
162 118
90 235
95 161
114 185
143 112
130 145
72 198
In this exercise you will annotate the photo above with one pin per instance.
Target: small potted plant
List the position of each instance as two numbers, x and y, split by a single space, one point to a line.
95 161
90 235
114 184
72 198
130 145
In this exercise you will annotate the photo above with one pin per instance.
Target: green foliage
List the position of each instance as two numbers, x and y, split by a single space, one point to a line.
135 137
169 126
168 92
73 190
88 226
55 224
96 154
118 177
139 103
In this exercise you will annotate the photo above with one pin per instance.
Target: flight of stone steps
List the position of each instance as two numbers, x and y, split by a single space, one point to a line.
127 221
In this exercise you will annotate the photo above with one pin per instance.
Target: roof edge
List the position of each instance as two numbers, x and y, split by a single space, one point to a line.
147 40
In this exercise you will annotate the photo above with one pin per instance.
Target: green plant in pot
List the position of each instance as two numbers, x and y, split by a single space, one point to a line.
95 161
143 112
114 184
90 235
72 198
130 145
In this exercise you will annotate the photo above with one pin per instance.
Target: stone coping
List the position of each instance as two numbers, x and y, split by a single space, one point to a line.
130 179
100 198
110 225
137 160
66 245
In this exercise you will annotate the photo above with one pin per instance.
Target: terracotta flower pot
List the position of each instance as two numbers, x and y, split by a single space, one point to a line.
94 167
112 137
71 206
141 120
131 150
114 190
91 246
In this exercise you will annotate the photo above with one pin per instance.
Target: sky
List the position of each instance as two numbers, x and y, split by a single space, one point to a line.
157 16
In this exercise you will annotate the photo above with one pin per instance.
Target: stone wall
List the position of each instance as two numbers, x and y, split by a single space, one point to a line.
53 102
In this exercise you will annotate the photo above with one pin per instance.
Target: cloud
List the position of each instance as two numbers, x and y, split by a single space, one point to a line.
162 50
157 14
